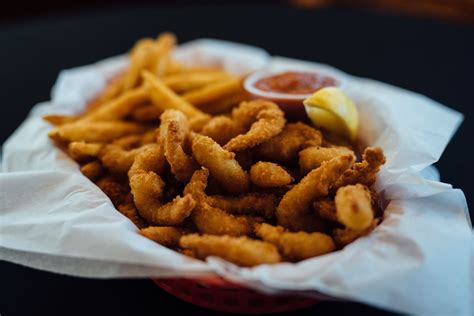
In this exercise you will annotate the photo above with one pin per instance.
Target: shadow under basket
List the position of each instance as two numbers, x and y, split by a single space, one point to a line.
220 295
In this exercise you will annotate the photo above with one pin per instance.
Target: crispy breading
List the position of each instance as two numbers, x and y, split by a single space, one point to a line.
221 164
285 146
242 251
296 246
261 204
269 175
167 236
267 120
314 185
312 157
354 206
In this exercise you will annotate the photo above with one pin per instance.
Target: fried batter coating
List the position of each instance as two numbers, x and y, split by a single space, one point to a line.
173 132
314 185
147 190
82 151
165 235
354 206
363 172
267 120
128 209
326 208
221 164
114 188
296 246
93 170
214 221
312 157
285 146
269 175
346 235
222 129
197 185
118 160
94 131
246 204
242 251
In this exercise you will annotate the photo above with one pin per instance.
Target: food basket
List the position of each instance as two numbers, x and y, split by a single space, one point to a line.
221 295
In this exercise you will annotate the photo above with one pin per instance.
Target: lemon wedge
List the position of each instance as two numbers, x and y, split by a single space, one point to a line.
333 110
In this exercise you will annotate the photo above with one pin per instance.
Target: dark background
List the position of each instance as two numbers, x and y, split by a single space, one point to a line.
433 57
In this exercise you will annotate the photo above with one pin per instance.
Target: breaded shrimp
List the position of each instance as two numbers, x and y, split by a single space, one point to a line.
165 235
222 129
312 157
221 164
173 131
259 204
147 190
354 206
314 185
266 119
242 251
326 208
118 160
344 236
269 175
286 145
296 246
363 172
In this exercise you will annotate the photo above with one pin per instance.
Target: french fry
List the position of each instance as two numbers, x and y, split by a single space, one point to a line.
119 107
112 89
213 91
162 53
139 59
225 104
59 119
93 170
147 113
187 81
94 131
81 151
165 98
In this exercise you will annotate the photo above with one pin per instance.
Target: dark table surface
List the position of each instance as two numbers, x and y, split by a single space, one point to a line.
433 58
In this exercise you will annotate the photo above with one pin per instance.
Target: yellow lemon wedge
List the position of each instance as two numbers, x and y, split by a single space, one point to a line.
331 109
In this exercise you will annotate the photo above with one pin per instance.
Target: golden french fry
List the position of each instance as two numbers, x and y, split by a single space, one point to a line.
119 107
165 98
226 103
93 170
112 89
162 53
214 91
59 119
182 82
81 151
139 59
94 131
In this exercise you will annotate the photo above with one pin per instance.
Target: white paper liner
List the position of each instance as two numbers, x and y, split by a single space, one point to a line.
419 260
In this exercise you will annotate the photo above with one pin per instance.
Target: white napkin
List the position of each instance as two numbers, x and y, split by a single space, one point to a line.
419 260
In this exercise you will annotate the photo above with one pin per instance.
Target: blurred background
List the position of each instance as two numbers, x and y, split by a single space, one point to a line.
461 11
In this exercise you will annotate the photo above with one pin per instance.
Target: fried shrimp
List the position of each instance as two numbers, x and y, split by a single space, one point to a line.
286 145
118 160
354 207
173 132
326 208
265 118
214 221
242 251
296 246
147 190
221 164
312 157
221 129
246 204
165 235
363 172
269 175
314 185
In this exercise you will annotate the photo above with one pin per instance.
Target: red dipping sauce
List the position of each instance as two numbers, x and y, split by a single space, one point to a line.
295 82
288 89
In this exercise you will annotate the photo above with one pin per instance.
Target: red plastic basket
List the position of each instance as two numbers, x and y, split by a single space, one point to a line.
221 295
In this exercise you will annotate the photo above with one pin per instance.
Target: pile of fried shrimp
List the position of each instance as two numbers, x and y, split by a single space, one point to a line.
200 167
